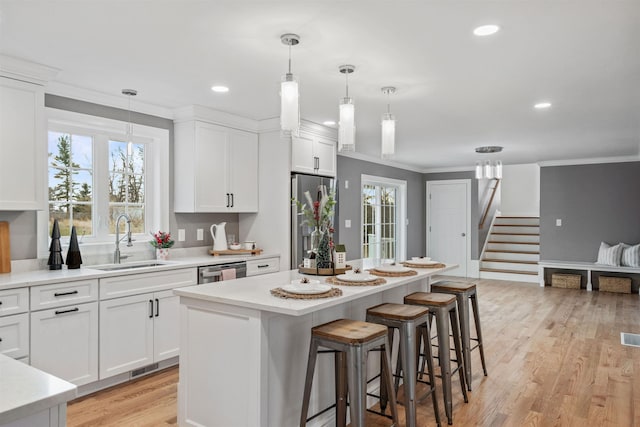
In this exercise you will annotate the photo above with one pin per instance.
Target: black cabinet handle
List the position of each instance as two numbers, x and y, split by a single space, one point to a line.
150 309
263 266
157 307
61 294
227 199
232 200
72 310
0 302
0 339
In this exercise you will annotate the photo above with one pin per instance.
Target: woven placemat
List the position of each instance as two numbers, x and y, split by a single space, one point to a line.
412 265
339 282
392 273
281 293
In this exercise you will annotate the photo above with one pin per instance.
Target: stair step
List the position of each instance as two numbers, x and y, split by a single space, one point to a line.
520 217
514 243
514 252
514 234
511 261
516 225
497 270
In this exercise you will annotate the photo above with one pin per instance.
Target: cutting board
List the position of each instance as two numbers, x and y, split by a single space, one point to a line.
5 248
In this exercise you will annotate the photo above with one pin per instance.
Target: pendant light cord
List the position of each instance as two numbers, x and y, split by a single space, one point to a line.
289 58
346 76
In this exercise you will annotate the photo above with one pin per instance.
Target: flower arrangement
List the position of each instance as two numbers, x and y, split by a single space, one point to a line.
161 240
319 215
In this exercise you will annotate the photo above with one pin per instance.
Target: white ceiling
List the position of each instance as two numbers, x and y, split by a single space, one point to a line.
455 91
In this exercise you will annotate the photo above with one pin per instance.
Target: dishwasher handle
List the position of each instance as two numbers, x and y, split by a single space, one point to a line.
216 273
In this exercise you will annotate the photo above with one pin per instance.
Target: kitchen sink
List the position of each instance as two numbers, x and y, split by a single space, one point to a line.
128 266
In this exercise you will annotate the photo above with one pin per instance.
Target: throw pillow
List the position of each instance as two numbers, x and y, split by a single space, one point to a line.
630 255
609 255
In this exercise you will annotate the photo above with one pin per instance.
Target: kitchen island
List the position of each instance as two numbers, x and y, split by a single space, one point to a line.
243 352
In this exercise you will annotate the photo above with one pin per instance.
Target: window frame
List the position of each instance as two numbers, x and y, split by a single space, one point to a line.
401 214
156 142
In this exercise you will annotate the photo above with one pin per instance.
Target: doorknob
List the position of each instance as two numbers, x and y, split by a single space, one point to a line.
464 234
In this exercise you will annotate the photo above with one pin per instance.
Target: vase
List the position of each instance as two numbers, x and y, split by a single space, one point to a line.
315 240
162 254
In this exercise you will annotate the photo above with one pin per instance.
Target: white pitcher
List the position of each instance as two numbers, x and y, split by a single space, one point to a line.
219 236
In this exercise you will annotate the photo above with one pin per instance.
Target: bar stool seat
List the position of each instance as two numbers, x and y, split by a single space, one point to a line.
407 319
441 306
352 340
465 292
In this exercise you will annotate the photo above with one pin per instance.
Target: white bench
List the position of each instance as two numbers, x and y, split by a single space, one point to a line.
582 266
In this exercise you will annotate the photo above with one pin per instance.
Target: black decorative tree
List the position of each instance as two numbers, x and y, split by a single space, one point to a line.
74 259
55 249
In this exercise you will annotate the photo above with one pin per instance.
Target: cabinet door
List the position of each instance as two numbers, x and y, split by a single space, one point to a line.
302 157
211 174
22 144
14 335
166 327
325 151
64 342
126 334
244 171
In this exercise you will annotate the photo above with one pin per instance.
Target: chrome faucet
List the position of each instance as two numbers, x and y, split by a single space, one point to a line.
116 254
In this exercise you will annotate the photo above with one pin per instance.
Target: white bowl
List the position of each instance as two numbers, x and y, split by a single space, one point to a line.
423 259
235 247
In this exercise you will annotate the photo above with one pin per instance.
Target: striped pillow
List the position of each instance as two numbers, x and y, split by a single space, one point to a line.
630 255
609 255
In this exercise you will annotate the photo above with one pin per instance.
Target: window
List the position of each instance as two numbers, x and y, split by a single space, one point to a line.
94 175
383 213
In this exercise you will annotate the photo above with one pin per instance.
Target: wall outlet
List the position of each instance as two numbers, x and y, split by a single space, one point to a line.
558 222
346 184
347 223
181 235
199 234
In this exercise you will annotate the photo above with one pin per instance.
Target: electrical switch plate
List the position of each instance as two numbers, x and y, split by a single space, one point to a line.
346 184
558 222
347 223
199 234
181 235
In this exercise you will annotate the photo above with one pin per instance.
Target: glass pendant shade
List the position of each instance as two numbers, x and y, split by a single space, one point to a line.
489 169
498 170
479 171
388 135
347 130
289 105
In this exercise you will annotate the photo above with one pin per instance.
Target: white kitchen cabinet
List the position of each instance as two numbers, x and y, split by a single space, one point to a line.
216 168
64 342
137 331
23 145
14 335
256 267
313 155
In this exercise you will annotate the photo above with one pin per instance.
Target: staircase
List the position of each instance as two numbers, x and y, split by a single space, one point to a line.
513 249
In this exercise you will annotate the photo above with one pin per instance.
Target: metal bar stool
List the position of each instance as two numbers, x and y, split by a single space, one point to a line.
464 292
407 319
441 305
352 339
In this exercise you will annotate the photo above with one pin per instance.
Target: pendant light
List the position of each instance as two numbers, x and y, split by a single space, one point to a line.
289 95
388 126
129 128
489 169
347 130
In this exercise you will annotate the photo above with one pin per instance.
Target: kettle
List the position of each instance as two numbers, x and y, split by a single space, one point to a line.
219 236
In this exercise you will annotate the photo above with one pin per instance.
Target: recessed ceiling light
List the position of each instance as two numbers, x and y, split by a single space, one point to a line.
220 89
329 123
486 30
542 105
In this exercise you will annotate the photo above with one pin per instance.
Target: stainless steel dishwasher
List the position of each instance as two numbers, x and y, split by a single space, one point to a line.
213 273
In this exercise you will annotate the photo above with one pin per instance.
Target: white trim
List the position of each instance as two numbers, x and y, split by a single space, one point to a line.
401 249
450 169
366 158
467 183
217 117
26 71
598 160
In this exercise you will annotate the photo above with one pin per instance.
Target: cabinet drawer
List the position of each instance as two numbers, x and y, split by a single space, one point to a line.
14 301
60 294
134 284
14 335
263 266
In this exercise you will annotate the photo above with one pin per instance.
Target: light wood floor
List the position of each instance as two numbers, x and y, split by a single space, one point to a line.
554 359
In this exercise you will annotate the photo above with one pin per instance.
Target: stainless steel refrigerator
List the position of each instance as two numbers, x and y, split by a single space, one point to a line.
301 234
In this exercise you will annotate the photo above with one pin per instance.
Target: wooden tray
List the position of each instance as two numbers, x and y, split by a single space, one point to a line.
236 252
323 271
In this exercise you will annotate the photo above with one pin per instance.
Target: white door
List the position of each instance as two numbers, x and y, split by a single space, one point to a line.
449 223
243 147
166 328
126 334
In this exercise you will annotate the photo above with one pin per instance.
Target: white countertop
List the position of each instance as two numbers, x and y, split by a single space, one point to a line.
253 292
25 390
39 277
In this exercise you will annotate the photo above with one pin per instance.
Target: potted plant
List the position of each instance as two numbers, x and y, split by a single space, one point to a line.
162 242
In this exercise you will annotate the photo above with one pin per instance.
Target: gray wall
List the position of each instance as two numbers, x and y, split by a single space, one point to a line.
599 202
349 207
476 245
23 224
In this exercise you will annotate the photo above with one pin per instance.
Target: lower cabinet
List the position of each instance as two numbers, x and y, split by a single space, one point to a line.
138 330
14 335
64 342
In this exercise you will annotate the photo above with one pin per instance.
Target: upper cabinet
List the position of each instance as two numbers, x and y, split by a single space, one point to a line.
23 147
215 169
313 155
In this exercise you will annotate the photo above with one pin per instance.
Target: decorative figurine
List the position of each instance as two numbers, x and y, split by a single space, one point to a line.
74 259
55 249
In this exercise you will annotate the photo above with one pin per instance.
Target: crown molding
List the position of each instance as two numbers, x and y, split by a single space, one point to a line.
371 159
450 169
21 69
597 160
217 117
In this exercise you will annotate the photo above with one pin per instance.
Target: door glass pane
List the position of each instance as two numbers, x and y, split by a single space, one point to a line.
379 221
